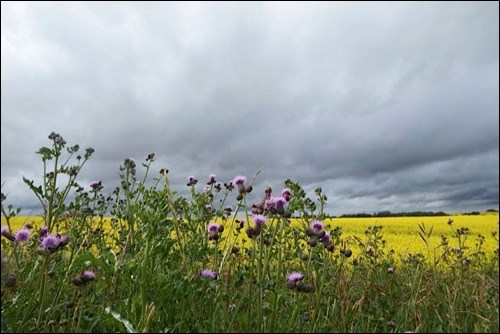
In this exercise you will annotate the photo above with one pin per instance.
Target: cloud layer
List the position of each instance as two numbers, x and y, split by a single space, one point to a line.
387 106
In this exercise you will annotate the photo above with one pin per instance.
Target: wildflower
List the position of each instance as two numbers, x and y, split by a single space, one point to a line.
191 180
207 273
295 276
218 186
211 179
43 231
259 220
390 270
317 226
96 185
280 204
23 235
87 276
239 181
50 242
213 231
270 205
287 194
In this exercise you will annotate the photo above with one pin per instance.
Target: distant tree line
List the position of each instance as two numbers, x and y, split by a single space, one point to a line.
395 214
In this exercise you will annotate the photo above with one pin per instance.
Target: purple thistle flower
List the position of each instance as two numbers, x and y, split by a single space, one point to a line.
287 194
211 179
280 201
213 227
207 273
293 278
96 185
270 204
88 275
50 242
239 180
317 226
23 235
206 188
259 220
43 231
192 180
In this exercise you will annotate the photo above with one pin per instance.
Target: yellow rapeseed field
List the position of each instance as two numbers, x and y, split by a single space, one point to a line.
400 233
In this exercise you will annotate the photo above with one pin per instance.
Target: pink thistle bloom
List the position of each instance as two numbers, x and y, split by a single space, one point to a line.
287 194
23 235
295 276
213 227
96 185
259 220
50 242
270 204
207 273
317 226
239 180
88 275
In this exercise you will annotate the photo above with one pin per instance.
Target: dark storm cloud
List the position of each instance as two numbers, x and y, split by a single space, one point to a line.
387 106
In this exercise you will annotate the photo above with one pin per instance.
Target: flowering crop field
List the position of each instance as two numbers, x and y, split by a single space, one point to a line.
400 233
144 259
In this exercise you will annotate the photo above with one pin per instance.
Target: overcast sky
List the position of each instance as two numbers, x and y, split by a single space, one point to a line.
387 106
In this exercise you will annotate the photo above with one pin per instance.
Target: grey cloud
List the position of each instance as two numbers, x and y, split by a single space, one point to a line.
375 97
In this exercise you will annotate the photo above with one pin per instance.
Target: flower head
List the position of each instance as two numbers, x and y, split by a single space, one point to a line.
213 230
213 227
259 220
239 180
50 242
191 180
287 194
317 226
295 276
207 273
96 185
88 275
23 235
211 179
